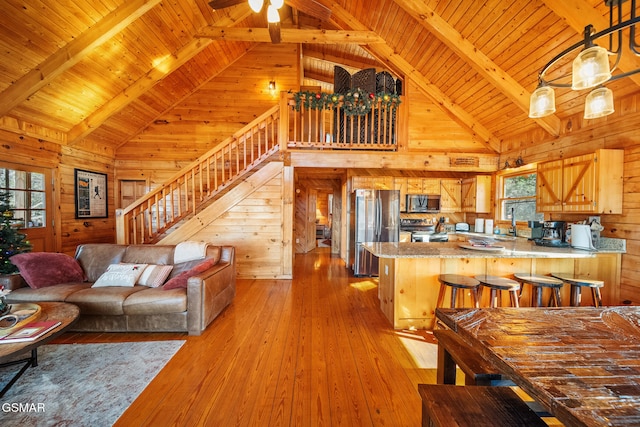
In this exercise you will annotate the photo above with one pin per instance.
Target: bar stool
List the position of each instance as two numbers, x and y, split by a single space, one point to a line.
497 285
537 283
576 286
457 281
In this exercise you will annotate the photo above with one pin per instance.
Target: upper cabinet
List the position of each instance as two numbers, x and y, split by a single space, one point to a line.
476 194
423 185
372 183
591 183
450 195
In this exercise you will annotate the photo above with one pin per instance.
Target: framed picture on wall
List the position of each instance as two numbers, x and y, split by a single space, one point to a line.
91 194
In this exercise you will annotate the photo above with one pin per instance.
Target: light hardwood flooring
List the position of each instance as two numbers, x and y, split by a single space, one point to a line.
311 351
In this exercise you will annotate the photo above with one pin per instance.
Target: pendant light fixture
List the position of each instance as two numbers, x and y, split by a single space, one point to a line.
591 67
272 14
256 5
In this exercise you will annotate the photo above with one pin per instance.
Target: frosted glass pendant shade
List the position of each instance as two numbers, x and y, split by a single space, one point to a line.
590 68
599 103
277 3
272 14
542 102
256 5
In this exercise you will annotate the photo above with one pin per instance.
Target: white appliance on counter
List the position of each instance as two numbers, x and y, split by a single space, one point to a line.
581 237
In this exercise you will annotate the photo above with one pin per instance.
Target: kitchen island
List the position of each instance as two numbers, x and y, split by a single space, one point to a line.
408 283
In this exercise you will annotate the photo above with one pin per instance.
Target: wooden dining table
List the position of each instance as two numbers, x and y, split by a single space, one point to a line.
581 363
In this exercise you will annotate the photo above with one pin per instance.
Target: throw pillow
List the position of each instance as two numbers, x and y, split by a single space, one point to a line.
180 281
154 275
42 269
125 275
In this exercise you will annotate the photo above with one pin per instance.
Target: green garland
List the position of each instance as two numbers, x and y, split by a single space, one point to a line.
355 103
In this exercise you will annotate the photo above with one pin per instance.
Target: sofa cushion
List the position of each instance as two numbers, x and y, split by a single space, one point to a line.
180 281
55 293
156 301
41 269
154 275
106 300
94 258
213 253
120 275
149 254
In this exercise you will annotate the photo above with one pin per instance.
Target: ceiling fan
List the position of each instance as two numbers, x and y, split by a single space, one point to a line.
310 7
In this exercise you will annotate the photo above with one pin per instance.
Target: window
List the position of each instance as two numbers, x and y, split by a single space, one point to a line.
519 197
27 196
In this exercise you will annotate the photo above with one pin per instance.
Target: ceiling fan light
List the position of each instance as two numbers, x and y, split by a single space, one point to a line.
542 102
599 103
277 3
272 14
590 68
256 5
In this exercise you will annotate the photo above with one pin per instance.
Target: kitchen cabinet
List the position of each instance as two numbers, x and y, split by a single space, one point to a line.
591 183
450 195
372 183
423 186
476 194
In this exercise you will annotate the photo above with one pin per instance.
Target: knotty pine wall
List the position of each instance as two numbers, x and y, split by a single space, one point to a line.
620 130
62 161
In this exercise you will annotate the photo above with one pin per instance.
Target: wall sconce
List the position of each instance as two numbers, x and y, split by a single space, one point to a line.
272 85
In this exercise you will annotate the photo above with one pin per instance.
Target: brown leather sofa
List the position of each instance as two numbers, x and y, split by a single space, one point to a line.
141 308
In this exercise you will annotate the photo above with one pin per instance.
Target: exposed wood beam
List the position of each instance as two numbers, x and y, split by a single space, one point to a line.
318 77
149 80
386 54
455 41
290 35
72 53
336 60
578 14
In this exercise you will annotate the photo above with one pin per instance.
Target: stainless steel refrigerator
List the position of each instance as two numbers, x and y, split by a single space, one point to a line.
375 217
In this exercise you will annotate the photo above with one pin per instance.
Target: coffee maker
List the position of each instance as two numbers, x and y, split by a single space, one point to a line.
553 234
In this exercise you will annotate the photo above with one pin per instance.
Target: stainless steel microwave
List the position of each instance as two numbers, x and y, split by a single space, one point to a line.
423 203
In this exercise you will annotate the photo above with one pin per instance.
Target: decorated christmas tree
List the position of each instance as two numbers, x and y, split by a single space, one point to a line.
11 241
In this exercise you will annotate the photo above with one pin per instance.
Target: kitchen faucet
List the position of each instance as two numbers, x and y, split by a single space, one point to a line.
513 221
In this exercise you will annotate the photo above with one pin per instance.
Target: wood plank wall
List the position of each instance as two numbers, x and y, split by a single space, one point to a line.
579 136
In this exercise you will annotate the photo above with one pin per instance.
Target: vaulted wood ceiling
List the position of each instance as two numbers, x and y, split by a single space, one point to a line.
102 71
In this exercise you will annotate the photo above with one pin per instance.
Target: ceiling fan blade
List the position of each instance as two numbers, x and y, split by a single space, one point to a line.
221 4
274 32
311 7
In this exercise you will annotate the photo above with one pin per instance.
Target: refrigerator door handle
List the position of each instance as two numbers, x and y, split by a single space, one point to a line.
378 218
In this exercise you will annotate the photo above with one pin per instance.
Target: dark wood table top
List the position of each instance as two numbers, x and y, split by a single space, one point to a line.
582 364
62 312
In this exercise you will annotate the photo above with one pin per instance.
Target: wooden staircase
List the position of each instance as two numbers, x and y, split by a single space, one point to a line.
195 186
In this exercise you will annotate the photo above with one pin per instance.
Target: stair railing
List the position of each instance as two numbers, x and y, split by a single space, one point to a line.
188 192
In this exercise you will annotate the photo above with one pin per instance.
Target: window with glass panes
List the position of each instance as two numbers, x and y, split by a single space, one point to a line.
27 196
519 197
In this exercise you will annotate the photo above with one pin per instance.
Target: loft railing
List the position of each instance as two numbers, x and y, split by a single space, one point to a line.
188 192
342 122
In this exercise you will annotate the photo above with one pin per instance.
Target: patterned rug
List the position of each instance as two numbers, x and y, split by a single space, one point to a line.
82 384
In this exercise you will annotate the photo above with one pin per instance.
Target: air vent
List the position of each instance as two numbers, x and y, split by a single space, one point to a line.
464 161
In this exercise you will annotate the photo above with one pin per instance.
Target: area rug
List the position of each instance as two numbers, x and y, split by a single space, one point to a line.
82 384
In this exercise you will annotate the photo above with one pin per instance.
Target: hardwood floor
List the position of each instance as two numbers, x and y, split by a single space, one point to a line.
312 351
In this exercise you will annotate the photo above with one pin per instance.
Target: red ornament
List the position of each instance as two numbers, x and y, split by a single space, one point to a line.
318 96
372 95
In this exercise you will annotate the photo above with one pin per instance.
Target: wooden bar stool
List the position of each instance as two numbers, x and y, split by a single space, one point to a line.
537 284
497 285
455 282
576 286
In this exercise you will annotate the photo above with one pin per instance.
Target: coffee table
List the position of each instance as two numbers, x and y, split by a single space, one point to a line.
62 312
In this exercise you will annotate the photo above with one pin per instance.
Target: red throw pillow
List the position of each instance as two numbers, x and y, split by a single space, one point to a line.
42 269
180 281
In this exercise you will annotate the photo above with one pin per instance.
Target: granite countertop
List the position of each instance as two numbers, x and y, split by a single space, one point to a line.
517 248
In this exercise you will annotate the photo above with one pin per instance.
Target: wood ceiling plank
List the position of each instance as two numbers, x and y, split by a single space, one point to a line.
290 35
72 53
579 13
359 63
148 80
478 60
387 55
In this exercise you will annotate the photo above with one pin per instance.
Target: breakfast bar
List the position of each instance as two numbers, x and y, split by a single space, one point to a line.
408 282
